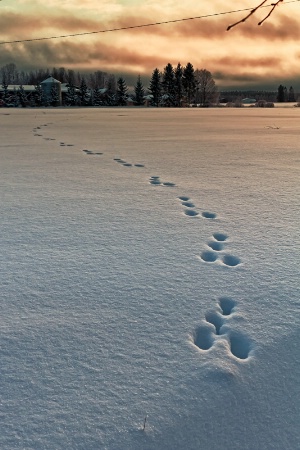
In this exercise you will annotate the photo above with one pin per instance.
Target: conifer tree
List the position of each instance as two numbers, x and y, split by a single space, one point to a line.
139 93
71 95
280 93
97 97
5 90
54 97
22 96
121 97
38 93
110 97
189 82
83 93
15 98
178 74
168 85
291 97
155 87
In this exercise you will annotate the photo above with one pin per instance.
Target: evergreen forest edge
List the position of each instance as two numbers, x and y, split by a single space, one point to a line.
173 87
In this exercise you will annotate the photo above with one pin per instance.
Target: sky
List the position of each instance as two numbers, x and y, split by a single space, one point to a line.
248 56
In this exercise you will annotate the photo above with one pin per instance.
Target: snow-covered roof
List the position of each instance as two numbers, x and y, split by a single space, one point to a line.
50 80
65 87
249 100
26 87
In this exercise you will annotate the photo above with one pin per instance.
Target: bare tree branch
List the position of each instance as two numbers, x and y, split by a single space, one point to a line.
270 12
253 11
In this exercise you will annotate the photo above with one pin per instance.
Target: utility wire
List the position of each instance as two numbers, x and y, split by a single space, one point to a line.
139 26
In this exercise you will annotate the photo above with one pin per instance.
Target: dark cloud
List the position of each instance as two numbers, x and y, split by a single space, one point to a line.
23 26
284 28
269 81
20 25
76 54
251 62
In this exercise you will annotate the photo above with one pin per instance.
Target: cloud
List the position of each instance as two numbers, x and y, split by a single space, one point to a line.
60 21
19 26
97 56
247 53
248 62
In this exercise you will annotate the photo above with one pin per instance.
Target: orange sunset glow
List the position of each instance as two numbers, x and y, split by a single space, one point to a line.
246 56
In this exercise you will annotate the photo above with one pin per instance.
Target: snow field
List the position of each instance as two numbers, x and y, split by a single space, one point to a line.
150 268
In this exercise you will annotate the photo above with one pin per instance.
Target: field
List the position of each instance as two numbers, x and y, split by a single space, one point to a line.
150 279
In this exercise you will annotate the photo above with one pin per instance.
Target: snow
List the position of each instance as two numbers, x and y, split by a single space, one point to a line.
150 269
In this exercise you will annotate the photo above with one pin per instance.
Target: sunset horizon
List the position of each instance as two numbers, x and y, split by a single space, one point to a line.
246 57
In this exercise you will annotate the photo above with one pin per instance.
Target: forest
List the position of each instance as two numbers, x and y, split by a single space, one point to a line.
172 87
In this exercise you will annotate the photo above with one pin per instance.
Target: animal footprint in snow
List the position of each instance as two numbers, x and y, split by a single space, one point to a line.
216 246
207 334
240 345
209 215
187 203
191 213
220 237
127 164
63 144
227 305
168 183
216 320
203 337
90 152
230 260
156 181
208 256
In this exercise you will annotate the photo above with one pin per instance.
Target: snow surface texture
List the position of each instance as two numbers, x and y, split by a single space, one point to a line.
150 269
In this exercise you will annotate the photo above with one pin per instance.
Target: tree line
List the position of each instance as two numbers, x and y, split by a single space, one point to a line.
172 87
285 95
182 86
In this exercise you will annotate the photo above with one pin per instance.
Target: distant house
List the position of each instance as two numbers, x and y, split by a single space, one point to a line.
248 101
30 89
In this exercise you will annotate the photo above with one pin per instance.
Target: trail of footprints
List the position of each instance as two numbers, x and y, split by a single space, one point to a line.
37 132
216 328
216 323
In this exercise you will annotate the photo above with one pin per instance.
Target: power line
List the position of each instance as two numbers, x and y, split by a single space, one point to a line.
138 26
